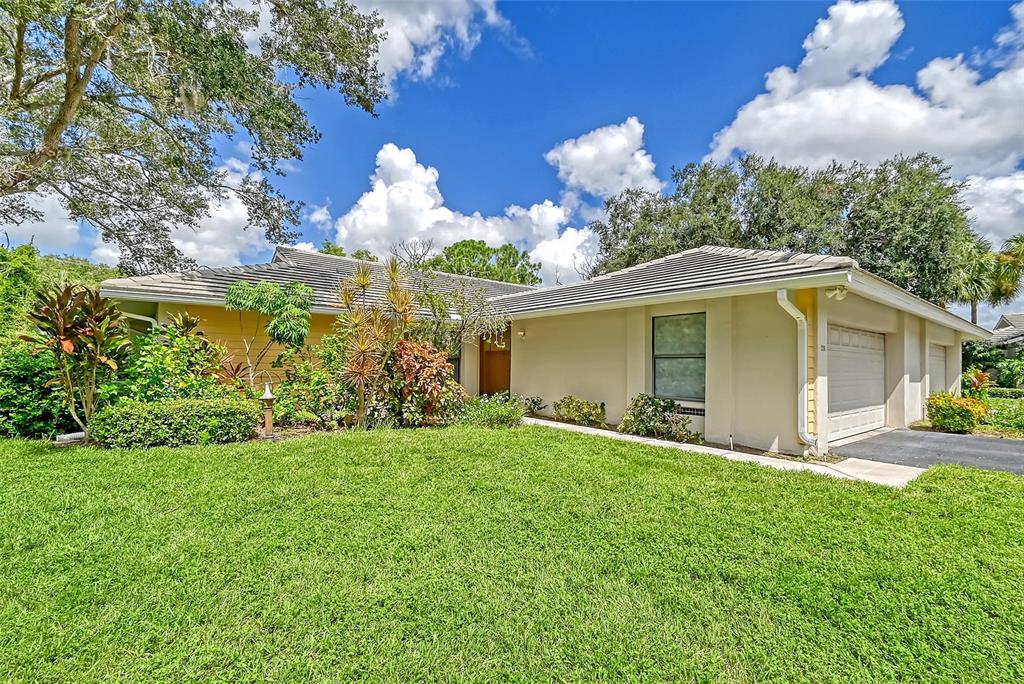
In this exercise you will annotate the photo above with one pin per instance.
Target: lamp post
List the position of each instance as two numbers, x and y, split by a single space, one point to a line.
268 411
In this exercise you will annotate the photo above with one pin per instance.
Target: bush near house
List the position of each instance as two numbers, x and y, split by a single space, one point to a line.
580 411
499 410
31 405
950 413
649 416
179 422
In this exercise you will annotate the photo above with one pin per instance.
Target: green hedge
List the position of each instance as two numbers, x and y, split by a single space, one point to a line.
1006 392
178 422
31 405
580 411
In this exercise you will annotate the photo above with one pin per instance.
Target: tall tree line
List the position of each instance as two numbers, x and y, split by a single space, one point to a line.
904 220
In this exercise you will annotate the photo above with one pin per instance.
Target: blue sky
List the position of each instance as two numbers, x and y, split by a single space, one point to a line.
512 121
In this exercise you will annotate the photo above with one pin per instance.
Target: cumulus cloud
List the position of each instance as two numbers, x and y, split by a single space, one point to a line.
405 203
828 108
997 205
420 33
606 161
563 258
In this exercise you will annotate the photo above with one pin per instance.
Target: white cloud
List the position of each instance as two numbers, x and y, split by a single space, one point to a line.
606 161
420 33
54 233
997 205
405 203
563 257
305 246
828 108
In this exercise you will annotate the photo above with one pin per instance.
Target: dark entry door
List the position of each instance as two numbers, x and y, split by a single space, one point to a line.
495 365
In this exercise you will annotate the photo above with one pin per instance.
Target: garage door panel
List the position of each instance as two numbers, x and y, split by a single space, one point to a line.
937 368
856 381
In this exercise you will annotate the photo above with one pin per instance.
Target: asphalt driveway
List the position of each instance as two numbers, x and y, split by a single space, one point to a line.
922 449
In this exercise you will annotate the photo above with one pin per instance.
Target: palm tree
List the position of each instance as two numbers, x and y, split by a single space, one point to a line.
973 277
1008 272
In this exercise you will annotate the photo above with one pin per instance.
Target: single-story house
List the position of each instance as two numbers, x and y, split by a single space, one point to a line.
767 349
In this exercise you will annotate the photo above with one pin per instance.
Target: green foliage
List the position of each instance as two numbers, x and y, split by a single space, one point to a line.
580 411
475 258
87 337
497 411
282 313
177 422
975 383
364 255
950 413
19 278
157 85
1006 414
455 314
31 404
1006 392
175 362
311 392
978 354
55 271
424 385
1010 372
649 416
332 248
900 219
533 405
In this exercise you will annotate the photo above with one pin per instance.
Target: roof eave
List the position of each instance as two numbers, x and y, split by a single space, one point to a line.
881 291
131 296
812 280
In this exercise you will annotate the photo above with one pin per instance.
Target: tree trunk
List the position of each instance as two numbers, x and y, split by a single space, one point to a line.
974 312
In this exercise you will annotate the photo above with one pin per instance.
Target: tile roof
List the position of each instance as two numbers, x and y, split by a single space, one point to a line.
694 269
322 272
1012 332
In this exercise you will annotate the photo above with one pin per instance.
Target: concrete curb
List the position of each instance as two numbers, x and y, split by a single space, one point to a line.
886 474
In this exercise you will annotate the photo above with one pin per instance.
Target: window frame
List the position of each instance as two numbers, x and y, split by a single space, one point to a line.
655 356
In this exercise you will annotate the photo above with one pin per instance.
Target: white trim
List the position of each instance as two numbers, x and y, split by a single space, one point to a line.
759 287
782 297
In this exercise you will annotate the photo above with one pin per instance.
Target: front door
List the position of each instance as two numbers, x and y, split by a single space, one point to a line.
495 364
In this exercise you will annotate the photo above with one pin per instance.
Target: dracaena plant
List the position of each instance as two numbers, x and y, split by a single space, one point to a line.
371 330
88 338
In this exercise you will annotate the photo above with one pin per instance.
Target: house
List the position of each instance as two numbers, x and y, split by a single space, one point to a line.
1008 334
772 350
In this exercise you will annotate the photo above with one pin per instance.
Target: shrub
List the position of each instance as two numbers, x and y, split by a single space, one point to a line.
1010 372
649 416
174 362
534 405
1006 414
1006 392
425 384
133 424
312 395
975 383
31 404
580 411
495 411
950 413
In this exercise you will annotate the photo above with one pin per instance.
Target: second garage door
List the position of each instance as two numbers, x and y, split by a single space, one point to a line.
856 381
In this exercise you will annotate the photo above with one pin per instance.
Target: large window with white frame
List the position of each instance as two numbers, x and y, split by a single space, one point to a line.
680 359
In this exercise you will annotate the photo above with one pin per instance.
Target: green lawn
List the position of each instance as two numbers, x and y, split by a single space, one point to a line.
469 554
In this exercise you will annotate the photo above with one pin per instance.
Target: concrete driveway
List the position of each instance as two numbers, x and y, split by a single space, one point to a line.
922 449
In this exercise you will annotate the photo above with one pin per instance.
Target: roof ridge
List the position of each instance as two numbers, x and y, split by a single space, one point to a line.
413 270
773 254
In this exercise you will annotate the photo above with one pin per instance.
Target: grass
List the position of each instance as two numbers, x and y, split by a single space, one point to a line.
1005 418
469 554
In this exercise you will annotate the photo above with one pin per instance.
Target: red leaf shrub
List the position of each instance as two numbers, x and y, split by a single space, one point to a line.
427 390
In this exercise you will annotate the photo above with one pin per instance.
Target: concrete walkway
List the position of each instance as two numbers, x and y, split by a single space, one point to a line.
887 474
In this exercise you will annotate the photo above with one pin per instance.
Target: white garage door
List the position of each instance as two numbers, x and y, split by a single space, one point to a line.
937 369
856 381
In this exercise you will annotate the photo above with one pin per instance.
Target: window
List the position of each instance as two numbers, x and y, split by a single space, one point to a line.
679 356
455 359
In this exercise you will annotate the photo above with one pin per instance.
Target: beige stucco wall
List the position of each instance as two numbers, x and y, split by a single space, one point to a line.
752 387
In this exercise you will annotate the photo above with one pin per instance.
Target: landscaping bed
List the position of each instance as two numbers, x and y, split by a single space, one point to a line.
478 554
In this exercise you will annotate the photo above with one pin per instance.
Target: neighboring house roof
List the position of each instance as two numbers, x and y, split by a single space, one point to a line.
322 272
705 272
1009 330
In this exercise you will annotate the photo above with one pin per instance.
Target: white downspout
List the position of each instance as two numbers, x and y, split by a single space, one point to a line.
139 317
801 369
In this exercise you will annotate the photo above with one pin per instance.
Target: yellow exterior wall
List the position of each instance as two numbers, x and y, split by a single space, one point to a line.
228 328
